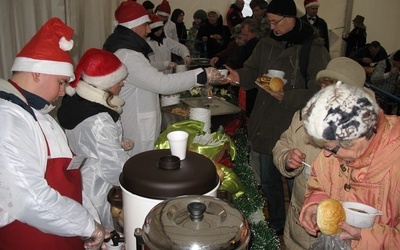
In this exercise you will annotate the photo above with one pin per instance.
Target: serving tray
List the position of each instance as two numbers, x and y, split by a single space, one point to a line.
217 105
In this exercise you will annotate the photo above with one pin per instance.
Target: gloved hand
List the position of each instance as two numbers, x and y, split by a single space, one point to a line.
187 60
171 65
127 144
213 75
96 239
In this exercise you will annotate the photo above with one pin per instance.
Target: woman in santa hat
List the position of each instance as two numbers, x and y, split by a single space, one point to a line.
163 46
90 114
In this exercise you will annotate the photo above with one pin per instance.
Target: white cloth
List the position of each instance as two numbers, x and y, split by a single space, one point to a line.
170 30
98 138
141 118
24 192
161 56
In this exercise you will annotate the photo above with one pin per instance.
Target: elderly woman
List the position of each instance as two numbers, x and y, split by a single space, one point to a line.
359 162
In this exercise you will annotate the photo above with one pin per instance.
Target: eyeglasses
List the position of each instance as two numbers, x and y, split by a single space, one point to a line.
333 150
276 22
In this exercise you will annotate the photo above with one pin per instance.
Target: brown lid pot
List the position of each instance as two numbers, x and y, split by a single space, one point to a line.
157 174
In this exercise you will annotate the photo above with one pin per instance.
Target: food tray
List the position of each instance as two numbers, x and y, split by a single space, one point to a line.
217 105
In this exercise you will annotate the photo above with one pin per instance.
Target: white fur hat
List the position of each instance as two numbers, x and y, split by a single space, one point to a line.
340 112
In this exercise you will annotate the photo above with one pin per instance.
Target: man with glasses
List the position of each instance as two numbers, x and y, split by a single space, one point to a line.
273 111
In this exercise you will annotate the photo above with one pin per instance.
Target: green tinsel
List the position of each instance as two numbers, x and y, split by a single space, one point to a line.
251 201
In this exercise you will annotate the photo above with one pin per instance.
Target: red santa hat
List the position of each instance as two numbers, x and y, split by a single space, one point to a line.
130 14
47 51
155 21
309 3
164 9
99 68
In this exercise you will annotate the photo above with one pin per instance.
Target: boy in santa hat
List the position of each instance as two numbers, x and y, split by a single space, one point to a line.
41 188
141 119
90 114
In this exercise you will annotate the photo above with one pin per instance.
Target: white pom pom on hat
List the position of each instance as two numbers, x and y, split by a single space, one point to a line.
340 112
48 51
99 68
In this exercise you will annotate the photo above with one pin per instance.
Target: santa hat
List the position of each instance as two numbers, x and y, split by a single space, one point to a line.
130 14
47 51
155 21
164 9
340 112
309 3
99 68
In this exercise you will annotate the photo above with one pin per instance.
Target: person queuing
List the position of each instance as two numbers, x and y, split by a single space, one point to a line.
311 17
295 147
141 119
163 47
234 15
357 37
259 10
41 187
177 17
90 116
199 18
359 162
273 111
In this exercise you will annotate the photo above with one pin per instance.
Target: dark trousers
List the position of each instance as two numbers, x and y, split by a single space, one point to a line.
272 185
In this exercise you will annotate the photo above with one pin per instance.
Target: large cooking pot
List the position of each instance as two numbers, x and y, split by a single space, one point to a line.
151 177
194 222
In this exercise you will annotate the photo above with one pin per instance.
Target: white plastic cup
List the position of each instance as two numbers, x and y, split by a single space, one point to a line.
178 143
110 246
224 73
180 68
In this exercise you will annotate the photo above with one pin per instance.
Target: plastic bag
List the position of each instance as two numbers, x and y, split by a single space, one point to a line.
333 242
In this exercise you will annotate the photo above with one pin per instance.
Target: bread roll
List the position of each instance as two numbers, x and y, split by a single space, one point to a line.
276 84
329 213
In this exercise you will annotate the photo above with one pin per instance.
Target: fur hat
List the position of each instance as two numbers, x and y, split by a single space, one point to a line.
359 19
200 14
164 9
309 3
346 70
340 112
282 8
236 30
155 21
130 14
99 68
48 51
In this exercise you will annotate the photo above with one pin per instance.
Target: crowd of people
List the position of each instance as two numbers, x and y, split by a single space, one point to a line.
324 132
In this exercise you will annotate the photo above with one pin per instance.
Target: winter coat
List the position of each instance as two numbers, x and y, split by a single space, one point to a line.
356 40
94 131
213 45
234 16
25 194
374 180
320 27
295 136
270 117
381 79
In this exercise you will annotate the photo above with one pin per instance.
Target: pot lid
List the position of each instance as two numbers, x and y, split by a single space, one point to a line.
159 175
195 222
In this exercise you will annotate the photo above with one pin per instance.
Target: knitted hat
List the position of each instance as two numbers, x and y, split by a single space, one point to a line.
359 19
47 51
155 21
99 68
282 8
130 14
340 112
164 9
346 70
309 3
200 14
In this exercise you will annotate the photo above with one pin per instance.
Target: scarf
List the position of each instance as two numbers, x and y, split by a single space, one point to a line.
297 35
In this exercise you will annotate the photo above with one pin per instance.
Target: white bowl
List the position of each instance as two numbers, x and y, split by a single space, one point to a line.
360 215
223 72
276 73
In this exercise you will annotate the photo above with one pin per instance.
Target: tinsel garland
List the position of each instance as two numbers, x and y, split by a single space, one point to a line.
251 201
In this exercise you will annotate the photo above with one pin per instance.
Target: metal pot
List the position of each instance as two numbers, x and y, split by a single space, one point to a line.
194 222
151 177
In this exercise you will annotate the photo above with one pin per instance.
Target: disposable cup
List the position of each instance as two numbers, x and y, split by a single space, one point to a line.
224 72
276 73
110 246
178 143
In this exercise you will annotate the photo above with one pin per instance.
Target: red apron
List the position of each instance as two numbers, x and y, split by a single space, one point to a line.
21 236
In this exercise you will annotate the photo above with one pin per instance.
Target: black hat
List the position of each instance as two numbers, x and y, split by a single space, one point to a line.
200 14
282 8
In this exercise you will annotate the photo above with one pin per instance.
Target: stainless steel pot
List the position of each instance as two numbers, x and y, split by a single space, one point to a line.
194 222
